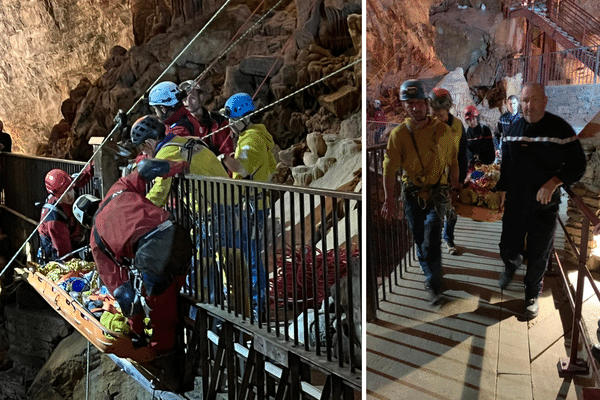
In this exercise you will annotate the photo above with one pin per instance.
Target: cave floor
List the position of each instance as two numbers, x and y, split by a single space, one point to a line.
477 344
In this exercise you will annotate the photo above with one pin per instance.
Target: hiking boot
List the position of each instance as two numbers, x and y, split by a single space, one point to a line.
451 248
532 308
505 279
434 297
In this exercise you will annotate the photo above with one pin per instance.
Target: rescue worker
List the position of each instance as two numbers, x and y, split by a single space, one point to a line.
505 121
425 149
253 159
440 102
380 121
480 143
60 233
220 142
167 101
149 133
139 252
540 152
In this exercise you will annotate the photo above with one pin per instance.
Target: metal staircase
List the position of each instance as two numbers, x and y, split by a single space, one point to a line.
567 24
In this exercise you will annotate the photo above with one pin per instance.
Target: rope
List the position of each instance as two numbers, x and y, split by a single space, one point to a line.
176 58
87 376
116 127
384 65
290 95
285 46
199 78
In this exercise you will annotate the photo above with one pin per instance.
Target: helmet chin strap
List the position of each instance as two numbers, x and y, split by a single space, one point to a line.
239 125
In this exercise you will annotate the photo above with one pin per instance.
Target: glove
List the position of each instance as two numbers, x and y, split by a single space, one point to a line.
128 299
121 119
177 168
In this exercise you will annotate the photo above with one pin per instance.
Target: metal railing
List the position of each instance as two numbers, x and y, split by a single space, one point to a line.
22 192
575 20
388 242
567 15
567 67
276 271
285 260
575 292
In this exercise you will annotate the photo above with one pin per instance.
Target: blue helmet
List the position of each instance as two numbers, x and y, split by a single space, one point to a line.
238 105
164 94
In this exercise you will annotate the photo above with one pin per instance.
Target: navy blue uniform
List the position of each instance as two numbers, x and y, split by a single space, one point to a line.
532 155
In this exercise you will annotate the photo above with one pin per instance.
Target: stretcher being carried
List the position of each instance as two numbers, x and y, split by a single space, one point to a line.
477 200
105 340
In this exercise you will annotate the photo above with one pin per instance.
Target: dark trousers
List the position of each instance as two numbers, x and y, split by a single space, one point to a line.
537 226
426 226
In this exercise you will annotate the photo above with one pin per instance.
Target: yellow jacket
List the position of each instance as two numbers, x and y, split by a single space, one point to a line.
254 151
204 163
436 150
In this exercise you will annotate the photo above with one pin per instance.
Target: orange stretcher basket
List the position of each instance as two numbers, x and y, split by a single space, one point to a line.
84 321
476 213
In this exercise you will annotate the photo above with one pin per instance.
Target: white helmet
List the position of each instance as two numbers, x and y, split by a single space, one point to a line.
164 94
85 208
377 104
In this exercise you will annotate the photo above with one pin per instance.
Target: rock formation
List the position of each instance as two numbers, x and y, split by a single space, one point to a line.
291 48
47 48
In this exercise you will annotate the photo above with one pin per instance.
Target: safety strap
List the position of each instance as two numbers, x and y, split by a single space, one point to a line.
53 207
188 146
412 137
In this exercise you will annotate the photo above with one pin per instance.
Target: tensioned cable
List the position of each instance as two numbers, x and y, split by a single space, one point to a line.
388 61
285 46
199 78
87 375
117 126
291 94
178 56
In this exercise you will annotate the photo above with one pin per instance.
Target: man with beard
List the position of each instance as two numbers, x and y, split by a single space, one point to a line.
220 142
424 148
167 102
440 102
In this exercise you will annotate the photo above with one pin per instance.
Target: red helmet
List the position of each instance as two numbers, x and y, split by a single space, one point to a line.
471 112
57 181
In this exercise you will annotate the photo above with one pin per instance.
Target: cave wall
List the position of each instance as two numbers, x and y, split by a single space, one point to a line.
47 47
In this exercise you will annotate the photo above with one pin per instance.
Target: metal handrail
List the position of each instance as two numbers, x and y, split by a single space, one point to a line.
575 66
388 242
567 15
572 365
575 20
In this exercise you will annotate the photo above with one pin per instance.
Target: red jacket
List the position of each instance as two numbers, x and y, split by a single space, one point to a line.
61 231
221 142
182 123
124 219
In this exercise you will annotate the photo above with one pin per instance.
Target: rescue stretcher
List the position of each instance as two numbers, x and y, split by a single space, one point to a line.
83 320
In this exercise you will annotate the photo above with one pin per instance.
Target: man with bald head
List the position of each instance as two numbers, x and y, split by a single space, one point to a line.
540 152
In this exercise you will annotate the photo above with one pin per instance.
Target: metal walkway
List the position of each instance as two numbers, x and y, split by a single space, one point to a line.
476 345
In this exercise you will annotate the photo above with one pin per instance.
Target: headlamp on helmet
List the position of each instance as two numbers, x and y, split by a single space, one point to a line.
411 90
85 208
